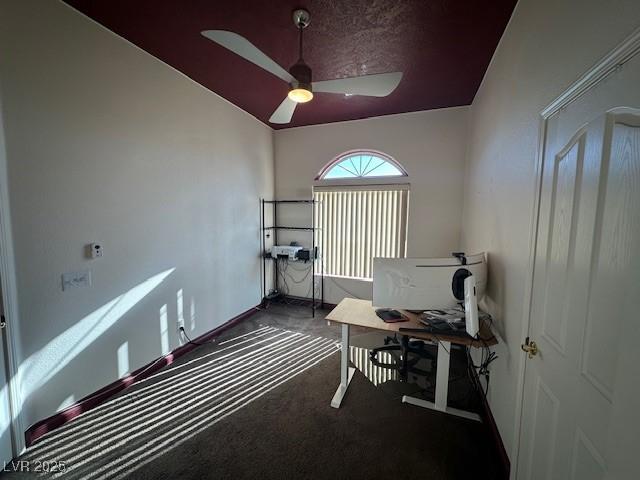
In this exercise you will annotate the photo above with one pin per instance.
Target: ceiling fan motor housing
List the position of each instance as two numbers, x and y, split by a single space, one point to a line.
301 18
302 73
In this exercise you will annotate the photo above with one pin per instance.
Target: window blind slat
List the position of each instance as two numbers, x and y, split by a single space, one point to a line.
367 230
382 223
392 225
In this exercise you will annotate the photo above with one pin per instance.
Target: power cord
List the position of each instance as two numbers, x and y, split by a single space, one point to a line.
184 332
283 266
483 369
333 280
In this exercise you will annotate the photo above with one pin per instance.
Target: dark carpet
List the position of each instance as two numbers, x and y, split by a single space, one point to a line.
257 406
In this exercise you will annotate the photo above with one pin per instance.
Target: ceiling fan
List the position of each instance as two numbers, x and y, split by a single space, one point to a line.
301 87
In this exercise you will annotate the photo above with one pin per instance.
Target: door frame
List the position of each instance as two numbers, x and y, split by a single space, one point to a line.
609 64
8 284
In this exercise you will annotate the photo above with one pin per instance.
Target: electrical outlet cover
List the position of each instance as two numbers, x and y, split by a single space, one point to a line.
76 279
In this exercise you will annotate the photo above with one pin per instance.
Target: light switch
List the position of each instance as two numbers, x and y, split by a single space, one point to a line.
76 279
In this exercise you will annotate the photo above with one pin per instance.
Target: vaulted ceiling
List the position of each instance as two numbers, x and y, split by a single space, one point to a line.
443 47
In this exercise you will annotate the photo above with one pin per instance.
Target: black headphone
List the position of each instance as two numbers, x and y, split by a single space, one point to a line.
457 284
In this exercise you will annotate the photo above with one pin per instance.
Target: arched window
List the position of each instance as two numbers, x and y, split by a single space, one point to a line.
361 164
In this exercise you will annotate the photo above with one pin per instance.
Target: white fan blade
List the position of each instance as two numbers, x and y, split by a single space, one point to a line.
379 85
247 50
284 112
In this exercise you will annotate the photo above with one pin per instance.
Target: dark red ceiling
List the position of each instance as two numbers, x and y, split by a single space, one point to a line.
442 46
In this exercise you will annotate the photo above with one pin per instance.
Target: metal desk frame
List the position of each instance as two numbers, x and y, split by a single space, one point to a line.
444 357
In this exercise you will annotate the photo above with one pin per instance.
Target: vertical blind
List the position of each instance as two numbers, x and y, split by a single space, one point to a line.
356 224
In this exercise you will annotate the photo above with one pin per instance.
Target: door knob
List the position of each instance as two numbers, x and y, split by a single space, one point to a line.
529 347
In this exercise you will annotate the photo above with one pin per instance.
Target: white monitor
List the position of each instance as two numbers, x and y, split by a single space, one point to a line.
424 283
472 324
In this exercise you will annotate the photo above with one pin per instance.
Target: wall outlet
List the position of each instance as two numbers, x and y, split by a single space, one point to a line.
76 279
96 250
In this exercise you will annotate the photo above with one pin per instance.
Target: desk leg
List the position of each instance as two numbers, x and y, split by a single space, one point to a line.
442 387
442 375
346 372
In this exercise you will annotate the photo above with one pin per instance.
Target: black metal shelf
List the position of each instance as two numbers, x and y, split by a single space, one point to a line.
296 261
290 228
315 302
290 201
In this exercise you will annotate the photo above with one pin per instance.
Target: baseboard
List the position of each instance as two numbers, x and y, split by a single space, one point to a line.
489 420
38 429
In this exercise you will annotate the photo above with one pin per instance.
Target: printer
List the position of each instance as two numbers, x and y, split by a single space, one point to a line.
288 251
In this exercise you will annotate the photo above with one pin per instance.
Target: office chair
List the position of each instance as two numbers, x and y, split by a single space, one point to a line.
400 351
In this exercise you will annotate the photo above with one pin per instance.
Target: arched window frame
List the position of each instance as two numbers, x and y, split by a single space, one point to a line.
367 179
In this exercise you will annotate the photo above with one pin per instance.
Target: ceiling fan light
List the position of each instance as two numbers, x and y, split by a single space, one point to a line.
301 94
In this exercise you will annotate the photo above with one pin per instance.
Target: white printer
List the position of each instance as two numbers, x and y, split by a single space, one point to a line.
289 251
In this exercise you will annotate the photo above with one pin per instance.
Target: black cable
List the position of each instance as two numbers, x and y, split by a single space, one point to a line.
442 345
281 270
333 280
283 266
486 358
302 280
184 332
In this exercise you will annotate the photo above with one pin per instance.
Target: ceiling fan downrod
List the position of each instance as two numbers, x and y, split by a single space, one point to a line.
300 71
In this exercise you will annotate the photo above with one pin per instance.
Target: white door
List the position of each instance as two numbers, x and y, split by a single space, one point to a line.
10 434
582 390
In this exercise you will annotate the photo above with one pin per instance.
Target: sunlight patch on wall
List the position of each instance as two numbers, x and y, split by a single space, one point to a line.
193 314
180 307
123 359
164 329
41 366
70 400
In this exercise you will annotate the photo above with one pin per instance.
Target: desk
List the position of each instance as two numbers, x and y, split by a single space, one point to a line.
362 314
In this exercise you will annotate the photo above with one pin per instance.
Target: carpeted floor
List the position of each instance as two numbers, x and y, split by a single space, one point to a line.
256 405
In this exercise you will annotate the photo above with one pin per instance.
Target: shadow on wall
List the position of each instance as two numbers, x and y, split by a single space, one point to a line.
42 366
38 369
493 301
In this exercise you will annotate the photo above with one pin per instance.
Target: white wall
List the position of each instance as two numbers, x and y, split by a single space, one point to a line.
546 47
106 143
429 145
